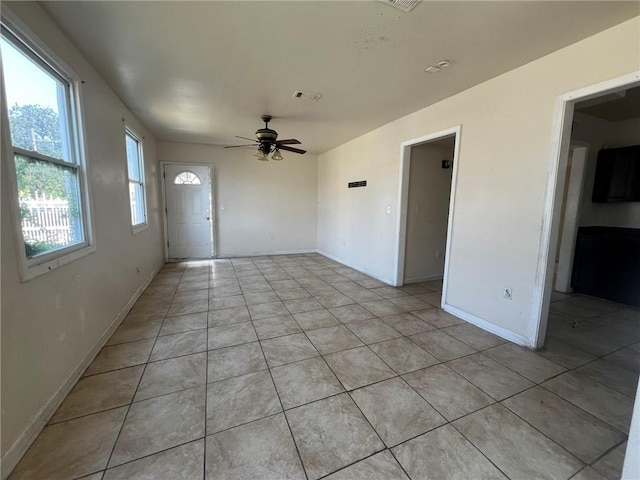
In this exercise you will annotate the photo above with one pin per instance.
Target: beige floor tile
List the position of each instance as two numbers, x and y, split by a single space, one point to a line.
219 303
258 450
626 358
474 336
121 356
133 331
333 339
492 378
351 313
169 346
588 473
229 335
442 346
227 316
525 362
276 326
266 310
600 401
432 298
437 317
154 311
448 392
304 382
191 296
409 303
315 319
234 361
382 308
72 449
396 411
183 418
331 434
514 446
403 356
185 462
292 293
610 466
572 428
184 286
184 323
189 307
173 375
381 466
256 298
302 305
358 367
288 349
361 294
612 375
240 400
95 476
99 392
407 323
565 354
224 288
373 330
442 454
334 300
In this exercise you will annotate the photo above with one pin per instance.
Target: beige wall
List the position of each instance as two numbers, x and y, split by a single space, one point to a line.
51 323
501 185
427 210
598 133
261 207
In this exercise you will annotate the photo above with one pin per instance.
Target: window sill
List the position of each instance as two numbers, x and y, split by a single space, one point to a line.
31 271
135 229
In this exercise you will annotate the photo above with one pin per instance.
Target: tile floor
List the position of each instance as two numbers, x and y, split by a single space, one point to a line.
294 367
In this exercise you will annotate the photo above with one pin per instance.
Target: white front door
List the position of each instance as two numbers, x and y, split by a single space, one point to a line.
189 218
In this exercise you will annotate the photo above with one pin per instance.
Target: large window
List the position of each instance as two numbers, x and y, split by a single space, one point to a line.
135 166
49 177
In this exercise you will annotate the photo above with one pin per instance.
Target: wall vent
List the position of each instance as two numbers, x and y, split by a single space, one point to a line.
404 5
313 96
361 183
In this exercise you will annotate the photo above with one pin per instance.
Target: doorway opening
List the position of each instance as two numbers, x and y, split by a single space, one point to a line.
188 202
428 169
577 267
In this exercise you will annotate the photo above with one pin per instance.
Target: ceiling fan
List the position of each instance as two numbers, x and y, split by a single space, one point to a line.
266 141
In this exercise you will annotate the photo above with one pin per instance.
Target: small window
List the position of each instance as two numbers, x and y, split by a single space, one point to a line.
135 166
47 152
187 178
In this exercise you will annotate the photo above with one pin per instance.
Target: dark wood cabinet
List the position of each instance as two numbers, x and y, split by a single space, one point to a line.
607 264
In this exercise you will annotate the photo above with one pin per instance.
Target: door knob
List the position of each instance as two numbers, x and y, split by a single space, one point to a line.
207 218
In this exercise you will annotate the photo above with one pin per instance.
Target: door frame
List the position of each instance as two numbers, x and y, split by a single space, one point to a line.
212 206
557 168
403 201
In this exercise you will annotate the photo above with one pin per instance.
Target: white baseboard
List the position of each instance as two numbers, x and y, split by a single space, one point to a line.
488 326
20 446
267 254
424 278
388 281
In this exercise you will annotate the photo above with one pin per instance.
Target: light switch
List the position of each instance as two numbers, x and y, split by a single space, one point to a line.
388 209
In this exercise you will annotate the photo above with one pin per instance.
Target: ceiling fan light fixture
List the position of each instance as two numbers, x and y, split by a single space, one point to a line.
277 155
260 155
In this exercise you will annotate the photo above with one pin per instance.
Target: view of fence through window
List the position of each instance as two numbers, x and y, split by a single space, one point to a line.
46 171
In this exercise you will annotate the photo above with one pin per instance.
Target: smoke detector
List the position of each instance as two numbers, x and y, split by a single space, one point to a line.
404 5
313 96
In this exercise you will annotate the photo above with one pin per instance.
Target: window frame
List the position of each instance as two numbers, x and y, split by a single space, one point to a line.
139 139
22 38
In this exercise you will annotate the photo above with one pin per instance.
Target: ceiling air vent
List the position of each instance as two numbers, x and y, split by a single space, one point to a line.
404 5
313 96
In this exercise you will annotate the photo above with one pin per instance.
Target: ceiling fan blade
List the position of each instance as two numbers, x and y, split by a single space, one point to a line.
236 146
245 138
288 141
291 149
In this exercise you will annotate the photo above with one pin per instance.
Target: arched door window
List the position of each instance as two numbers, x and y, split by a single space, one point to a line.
187 178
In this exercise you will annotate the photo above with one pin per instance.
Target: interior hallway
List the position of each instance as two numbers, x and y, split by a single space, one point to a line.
298 367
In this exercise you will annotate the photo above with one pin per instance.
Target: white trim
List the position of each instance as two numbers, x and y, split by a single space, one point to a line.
424 278
386 280
560 138
488 326
266 254
403 200
20 446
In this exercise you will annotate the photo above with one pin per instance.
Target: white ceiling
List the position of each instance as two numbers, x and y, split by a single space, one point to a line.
204 72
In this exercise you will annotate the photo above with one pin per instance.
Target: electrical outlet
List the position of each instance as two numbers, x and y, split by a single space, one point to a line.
508 293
